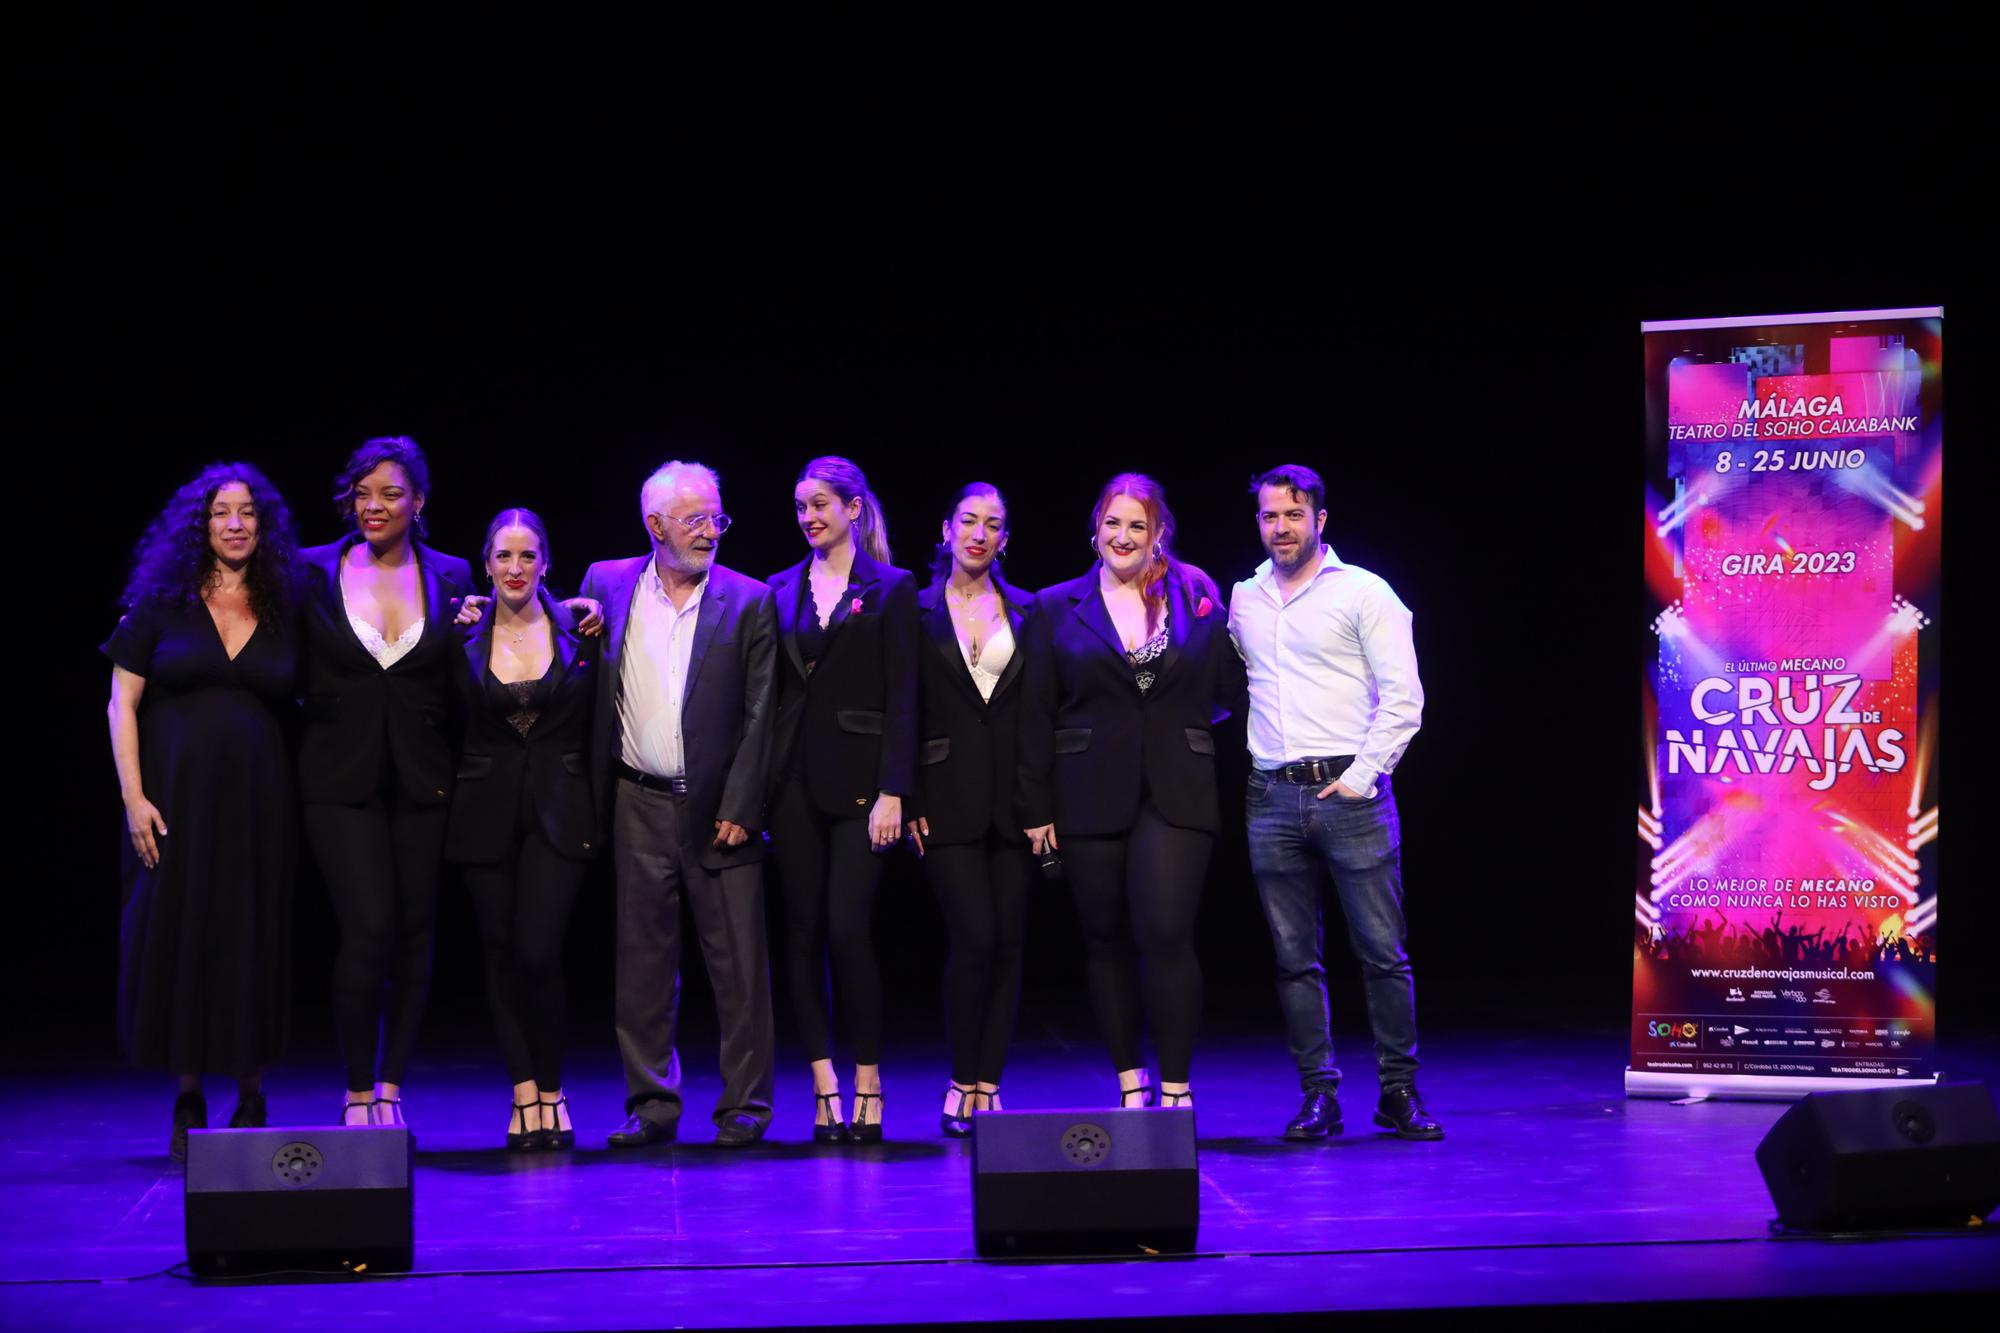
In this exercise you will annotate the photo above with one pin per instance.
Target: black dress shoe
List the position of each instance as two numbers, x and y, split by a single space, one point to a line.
740 1132
639 1131
249 1112
190 1112
1402 1109
1318 1117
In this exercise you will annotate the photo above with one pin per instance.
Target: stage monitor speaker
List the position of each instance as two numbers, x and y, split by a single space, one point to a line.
1084 1182
1885 1158
324 1197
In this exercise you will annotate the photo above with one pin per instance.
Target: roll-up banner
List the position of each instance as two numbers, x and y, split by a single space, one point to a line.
1786 935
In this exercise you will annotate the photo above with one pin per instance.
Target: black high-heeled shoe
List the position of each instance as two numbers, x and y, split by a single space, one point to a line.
834 1130
556 1138
956 1118
525 1140
190 1112
1144 1092
249 1112
860 1130
388 1111
1177 1098
366 1108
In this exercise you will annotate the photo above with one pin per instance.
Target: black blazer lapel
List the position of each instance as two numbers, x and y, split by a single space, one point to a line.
336 602
564 645
788 586
863 577
479 647
618 607
707 618
1180 624
944 640
437 614
1017 604
1089 605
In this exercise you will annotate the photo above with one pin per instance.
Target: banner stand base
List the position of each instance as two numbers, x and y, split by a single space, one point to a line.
1687 1089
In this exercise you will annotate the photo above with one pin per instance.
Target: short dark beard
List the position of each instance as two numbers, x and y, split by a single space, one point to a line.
1306 550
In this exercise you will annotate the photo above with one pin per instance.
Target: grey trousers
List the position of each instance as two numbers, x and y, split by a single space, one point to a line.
653 872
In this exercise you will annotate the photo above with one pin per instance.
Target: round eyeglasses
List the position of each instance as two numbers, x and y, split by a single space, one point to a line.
717 523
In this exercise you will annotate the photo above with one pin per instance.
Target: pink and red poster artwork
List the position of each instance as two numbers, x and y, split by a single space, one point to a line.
1786 910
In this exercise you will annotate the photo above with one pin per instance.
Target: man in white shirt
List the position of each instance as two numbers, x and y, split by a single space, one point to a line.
1334 701
682 750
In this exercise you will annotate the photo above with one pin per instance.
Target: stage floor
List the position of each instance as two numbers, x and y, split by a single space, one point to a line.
1551 1189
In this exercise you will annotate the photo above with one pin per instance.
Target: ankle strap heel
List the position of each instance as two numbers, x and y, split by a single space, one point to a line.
555 1136
861 1130
527 1139
833 1129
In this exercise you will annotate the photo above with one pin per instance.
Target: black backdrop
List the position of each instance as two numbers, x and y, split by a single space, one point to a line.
230 278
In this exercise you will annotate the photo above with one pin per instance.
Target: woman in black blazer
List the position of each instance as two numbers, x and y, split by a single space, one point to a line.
961 816
522 819
375 760
1128 668
847 723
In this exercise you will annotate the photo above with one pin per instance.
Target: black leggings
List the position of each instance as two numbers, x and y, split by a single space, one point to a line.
830 877
982 888
380 862
523 905
1137 894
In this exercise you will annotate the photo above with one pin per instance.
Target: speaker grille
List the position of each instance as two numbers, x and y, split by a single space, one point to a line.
1086 1145
297 1164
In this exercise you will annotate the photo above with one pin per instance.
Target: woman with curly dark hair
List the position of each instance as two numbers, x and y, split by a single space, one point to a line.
203 670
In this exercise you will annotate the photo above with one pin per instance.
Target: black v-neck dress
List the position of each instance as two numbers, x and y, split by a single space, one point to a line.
204 950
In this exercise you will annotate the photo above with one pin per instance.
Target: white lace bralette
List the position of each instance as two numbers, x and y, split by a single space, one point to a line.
385 653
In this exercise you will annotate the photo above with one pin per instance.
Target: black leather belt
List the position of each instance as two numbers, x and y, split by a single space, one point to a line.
678 786
1313 772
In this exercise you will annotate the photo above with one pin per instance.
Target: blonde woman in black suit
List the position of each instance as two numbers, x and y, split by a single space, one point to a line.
847 724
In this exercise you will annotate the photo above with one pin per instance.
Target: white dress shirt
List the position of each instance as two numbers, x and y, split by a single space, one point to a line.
1332 672
652 676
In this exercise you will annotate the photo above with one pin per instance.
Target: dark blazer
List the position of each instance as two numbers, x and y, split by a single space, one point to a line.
552 759
359 717
727 711
966 759
851 731
1091 744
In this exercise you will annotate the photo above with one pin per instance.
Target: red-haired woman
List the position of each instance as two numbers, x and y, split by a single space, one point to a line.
1127 669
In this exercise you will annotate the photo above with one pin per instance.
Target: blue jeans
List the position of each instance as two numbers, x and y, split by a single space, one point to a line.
1292 836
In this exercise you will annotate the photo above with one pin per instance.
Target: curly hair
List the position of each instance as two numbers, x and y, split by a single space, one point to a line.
174 562
401 450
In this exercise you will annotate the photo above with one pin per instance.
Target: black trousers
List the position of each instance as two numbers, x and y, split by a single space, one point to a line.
380 861
982 888
523 905
830 876
1137 894
655 869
